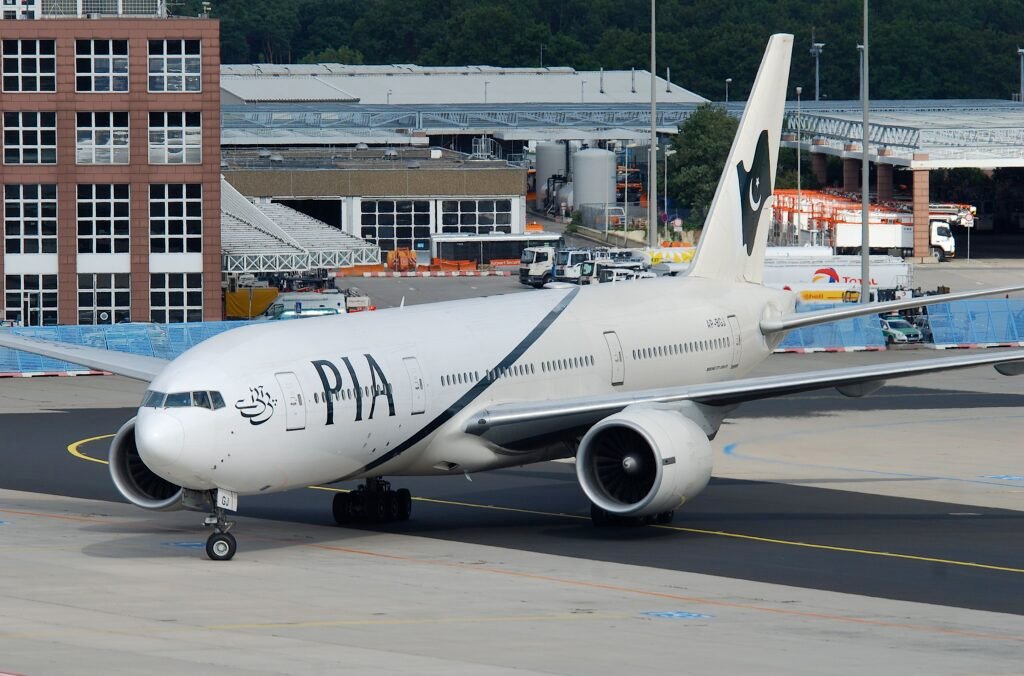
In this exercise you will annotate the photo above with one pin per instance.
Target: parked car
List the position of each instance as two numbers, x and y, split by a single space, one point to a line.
899 330
924 326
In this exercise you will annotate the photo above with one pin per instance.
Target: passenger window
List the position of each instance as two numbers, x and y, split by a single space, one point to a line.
178 400
201 399
216 400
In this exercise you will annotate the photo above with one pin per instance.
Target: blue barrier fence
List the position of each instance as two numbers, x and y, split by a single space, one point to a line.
166 341
997 321
856 333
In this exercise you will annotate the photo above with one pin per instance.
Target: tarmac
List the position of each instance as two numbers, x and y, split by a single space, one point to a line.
883 534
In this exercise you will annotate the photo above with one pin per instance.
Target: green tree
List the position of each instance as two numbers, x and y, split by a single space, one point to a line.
701 146
341 54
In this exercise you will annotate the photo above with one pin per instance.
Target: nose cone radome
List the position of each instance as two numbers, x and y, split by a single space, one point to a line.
160 439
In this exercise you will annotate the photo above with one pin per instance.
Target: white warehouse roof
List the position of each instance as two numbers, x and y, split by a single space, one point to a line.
411 84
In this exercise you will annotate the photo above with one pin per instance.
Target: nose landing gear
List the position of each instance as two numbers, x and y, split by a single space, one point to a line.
373 502
221 545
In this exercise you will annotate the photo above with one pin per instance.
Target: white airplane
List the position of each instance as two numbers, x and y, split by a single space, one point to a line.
632 379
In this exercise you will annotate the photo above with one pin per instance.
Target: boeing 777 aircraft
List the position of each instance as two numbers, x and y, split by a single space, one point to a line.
632 379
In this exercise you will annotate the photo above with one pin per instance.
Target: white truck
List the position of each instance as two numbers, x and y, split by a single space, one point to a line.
885 237
568 263
537 266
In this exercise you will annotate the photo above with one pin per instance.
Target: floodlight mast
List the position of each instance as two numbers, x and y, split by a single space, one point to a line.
816 48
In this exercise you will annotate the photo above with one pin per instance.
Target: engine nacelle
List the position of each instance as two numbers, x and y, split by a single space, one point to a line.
643 461
136 482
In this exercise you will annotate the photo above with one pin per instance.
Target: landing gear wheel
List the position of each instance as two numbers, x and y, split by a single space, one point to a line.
377 508
373 502
404 503
663 518
221 546
341 507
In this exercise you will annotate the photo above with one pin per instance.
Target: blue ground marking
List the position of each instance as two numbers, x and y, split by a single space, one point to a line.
184 545
677 615
3 523
730 449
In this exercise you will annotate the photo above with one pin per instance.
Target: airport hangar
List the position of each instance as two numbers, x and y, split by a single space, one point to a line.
490 114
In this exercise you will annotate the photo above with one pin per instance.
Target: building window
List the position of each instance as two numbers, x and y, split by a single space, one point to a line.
30 218
176 297
103 218
175 66
101 65
29 66
175 138
176 218
476 216
30 138
101 138
397 224
31 299
104 298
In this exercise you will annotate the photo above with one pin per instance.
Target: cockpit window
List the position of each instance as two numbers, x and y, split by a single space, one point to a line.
153 399
199 399
178 400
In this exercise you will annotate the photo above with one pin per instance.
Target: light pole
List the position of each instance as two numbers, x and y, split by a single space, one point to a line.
860 60
486 82
865 249
389 97
542 56
728 80
652 159
816 48
668 151
799 151
1021 53
582 84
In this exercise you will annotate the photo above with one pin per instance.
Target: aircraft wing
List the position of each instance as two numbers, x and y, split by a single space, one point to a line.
801 319
134 366
507 424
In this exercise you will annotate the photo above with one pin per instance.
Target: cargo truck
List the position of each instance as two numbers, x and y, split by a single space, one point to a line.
886 237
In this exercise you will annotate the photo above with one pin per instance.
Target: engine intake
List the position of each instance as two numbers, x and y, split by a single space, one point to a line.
643 461
134 480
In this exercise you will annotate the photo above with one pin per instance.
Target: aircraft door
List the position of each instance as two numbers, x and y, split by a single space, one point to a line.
615 352
294 404
737 344
419 395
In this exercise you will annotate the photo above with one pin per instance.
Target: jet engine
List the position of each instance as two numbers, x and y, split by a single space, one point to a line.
643 462
136 482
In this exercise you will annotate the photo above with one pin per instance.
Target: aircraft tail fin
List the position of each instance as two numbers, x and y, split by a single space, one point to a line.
736 229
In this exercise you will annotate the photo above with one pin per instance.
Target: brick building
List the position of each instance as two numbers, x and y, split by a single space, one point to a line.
111 169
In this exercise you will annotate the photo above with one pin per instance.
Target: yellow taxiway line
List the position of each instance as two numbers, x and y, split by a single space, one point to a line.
75 450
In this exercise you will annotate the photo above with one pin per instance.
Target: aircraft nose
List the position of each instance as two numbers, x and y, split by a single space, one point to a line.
160 439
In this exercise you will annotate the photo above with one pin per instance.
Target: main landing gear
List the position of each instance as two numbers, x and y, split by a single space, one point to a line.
373 502
221 545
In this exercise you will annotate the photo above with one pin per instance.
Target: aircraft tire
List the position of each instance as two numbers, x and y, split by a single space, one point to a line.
341 508
221 546
404 503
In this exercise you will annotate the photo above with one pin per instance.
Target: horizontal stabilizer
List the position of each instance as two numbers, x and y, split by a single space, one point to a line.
799 320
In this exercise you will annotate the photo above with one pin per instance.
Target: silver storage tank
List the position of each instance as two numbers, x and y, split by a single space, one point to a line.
550 162
593 177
